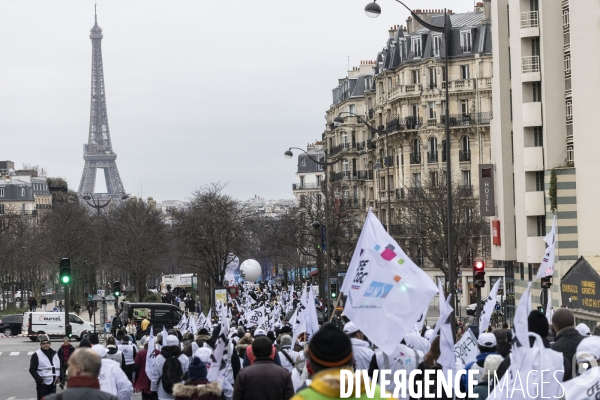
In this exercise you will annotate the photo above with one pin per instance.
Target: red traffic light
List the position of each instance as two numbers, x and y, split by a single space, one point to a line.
479 265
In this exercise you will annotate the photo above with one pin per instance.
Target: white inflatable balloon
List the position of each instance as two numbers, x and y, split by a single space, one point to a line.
250 270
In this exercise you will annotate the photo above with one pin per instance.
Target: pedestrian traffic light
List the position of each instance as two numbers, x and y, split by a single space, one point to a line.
541 309
333 289
65 271
69 331
546 282
479 273
117 288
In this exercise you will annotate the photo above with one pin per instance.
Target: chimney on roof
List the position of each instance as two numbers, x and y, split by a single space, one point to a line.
487 10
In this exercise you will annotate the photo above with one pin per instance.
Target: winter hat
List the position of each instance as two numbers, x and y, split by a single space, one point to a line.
260 332
285 329
172 340
43 338
100 350
590 345
197 370
241 331
203 354
538 323
491 364
350 328
583 329
487 340
85 343
203 331
330 347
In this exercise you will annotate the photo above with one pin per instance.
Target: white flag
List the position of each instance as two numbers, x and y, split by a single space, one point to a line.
421 322
312 321
164 335
150 355
488 308
386 290
256 317
549 308
547 266
219 355
521 343
192 325
447 357
301 315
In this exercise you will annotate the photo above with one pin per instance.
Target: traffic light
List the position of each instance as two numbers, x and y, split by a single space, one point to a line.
541 309
333 289
117 288
479 273
546 282
69 332
65 271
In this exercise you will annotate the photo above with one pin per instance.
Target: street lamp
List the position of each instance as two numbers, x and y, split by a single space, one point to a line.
325 164
339 121
373 10
99 205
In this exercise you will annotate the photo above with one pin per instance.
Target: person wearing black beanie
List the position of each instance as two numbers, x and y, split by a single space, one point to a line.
330 352
85 343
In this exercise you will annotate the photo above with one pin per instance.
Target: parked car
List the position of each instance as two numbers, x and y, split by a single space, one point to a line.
291 313
10 325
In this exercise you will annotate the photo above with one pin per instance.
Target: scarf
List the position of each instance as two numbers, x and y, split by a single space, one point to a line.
83 381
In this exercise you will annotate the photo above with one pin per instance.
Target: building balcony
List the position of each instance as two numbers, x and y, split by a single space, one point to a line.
533 159
530 26
432 157
532 114
415 192
43 206
412 122
350 201
415 158
459 84
464 155
534 204
465 190
536 247
306 186
364 174
530 69
341 176
432 121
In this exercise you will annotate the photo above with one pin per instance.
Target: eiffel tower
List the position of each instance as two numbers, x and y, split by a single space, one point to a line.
98 152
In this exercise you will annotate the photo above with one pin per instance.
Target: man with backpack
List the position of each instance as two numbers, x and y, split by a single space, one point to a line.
169 367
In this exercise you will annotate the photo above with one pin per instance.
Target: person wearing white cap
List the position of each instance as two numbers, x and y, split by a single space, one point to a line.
583 329
486 343
360 347
164 366
112 378
587 384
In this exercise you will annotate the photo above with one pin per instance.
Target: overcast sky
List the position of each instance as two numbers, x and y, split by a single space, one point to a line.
197 91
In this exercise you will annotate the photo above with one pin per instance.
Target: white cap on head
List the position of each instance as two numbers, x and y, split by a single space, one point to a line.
100 350
350 328
172 340
583 329
260 332
590 345
487 339
203 353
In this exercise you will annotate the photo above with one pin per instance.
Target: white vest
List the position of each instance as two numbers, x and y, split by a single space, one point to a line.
127 351
47 370
403 358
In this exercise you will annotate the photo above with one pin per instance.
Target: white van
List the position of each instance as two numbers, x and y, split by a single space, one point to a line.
53 324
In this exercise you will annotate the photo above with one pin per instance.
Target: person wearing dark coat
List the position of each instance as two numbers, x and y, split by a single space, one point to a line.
430 363
64 353
196 386
567 337
263 379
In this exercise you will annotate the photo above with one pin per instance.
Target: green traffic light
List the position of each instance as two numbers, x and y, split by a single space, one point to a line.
117 293
66 279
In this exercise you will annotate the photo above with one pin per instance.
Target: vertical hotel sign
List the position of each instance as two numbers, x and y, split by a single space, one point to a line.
487 205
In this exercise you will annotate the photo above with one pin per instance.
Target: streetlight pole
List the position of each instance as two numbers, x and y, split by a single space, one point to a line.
373 10
325 164
338 121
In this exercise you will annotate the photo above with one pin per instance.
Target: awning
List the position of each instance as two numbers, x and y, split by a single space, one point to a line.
314 272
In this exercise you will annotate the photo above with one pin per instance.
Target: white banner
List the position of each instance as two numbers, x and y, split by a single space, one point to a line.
466 349
150 355
547 265
256 317
386 290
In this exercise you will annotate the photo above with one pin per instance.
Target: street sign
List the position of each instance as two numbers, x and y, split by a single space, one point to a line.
101 293
497 307
90 297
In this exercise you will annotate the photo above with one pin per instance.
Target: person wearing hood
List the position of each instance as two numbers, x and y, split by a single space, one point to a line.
170 350
64 353
360 347
197 387
84 369
587 384
112 379
486 343
142 381
112 352
44 366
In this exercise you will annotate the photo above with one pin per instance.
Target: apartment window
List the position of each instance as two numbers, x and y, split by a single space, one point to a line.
535 46
415 76
416 47
432 77
522 271
529 270
569 109
541 225
512 147
514 195
433 178
443 110
415 110
22 192
464 72
320 166
465 41
565 19
464 106
466 177
509 65
567 63
304 162
536 87
437 45
432 110
319 199
533 5
319 180
416 179
352 109
508 24
1 192
2 209
302 200
301 181
538 136
539 181
511 110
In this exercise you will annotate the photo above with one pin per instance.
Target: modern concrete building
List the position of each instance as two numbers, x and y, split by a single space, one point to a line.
544 146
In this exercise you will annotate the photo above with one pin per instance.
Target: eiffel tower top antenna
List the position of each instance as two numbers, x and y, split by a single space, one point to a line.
95 16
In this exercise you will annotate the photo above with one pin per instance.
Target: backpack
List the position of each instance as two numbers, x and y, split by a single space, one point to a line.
171 373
